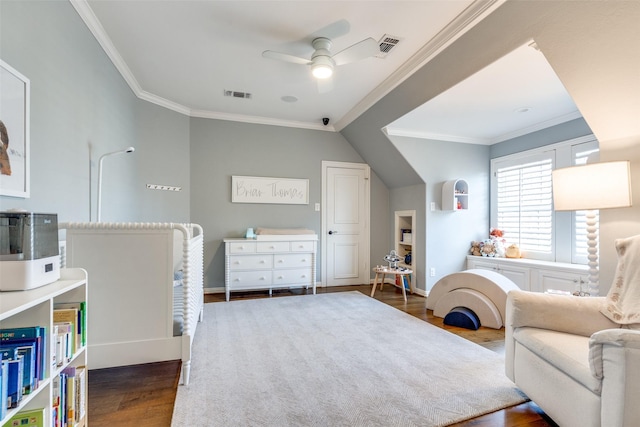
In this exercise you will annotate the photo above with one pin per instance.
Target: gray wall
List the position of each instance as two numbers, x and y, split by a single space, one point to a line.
82 108
220 149
448 233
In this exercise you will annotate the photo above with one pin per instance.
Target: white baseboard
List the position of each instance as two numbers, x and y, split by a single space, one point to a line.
134 352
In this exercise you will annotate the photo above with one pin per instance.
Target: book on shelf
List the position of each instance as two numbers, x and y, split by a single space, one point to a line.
402 280
15 367
62 338
70 407
69 397
28 353
69 315
26 336
81 393
4 387
56 402
81 308
27 418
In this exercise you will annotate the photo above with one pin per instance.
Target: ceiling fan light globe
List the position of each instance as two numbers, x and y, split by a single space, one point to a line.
321 71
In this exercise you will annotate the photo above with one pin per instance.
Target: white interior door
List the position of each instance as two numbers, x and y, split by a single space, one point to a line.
345 227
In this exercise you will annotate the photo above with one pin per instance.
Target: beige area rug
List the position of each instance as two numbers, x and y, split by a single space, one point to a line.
336 359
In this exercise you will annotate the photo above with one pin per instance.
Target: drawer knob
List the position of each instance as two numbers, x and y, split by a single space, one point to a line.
304 276
304 260
236 280
262 278
280 277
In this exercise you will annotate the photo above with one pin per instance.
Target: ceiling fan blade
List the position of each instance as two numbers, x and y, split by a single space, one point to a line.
285 57
361 50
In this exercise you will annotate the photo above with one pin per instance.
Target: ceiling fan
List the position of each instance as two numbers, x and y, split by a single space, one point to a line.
322 62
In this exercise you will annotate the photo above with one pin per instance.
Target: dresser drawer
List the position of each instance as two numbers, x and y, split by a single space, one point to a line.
250 262
245 279
242 247
291 260
273 246
296 276
301 246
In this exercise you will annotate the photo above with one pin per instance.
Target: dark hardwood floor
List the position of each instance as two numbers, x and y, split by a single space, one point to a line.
143 395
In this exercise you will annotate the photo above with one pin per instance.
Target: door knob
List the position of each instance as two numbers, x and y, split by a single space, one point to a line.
333 232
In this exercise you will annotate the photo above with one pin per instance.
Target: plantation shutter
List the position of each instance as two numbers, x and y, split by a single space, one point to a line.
579 242
524 204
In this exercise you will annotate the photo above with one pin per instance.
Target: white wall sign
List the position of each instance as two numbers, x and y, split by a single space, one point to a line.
253 189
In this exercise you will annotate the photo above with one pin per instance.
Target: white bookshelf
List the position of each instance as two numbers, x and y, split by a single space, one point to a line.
34 307
406 220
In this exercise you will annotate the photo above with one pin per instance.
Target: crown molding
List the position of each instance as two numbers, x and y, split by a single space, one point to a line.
538 126
96 28
205 114
91 21
466 20
409 133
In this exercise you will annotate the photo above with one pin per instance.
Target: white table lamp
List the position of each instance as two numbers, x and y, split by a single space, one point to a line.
590 187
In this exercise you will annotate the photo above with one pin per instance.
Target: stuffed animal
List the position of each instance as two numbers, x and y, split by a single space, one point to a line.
488 248
513 251
476 248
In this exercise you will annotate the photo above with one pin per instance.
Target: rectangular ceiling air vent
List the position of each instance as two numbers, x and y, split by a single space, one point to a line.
237 94
387 43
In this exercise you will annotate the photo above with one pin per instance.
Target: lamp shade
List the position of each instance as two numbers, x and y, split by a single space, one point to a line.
592 186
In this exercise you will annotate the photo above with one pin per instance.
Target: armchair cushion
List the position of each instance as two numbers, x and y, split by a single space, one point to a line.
566 352
623 300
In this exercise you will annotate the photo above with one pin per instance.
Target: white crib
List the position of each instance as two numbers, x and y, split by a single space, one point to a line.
145 289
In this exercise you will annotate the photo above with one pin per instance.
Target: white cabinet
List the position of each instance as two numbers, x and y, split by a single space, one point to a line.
562 280
34 307
518 275
251 264
536 276
455 195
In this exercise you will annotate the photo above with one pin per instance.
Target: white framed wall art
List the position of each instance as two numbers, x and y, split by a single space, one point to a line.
14 132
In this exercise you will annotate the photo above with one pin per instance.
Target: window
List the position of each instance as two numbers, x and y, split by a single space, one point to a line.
522 202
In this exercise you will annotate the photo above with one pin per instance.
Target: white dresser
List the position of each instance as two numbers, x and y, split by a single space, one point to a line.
275 262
